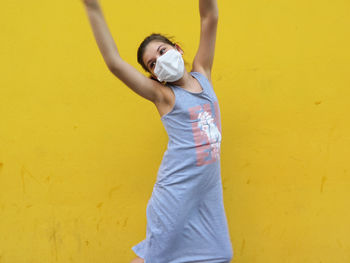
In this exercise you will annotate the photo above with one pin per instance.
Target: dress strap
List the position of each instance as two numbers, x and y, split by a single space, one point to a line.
203 79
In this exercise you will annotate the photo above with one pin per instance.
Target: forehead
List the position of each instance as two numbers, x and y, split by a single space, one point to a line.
151 50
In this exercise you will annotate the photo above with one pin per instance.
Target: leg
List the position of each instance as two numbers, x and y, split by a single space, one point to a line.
137 260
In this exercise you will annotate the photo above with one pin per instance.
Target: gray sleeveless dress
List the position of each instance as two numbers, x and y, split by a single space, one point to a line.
186 220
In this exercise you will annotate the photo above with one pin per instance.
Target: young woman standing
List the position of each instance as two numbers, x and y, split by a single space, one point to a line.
186 220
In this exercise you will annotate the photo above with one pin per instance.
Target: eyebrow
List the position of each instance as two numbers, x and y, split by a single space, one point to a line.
157 51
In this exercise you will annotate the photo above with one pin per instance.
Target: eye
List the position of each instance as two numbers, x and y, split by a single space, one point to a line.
162 51
152 64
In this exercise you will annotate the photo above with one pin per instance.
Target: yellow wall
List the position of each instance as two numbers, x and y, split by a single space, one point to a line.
79 151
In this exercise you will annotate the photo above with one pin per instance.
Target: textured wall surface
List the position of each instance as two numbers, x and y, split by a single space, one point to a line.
79 151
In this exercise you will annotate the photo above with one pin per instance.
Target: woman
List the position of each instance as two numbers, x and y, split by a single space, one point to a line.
186 220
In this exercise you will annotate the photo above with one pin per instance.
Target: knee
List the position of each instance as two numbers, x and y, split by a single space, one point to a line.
137 260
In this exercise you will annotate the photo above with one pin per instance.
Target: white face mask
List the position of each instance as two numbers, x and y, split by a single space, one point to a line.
170 67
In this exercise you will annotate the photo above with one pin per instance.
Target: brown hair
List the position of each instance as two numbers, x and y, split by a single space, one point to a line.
146 41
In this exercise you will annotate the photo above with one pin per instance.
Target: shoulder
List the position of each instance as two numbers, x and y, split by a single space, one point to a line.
202 75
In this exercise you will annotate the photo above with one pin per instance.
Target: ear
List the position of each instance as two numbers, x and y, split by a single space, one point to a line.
179 49
153 77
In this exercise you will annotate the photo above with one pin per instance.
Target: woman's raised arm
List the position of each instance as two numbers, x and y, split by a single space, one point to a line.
145 87
209 15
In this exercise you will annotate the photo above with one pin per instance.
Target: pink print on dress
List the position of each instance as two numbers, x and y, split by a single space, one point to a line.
207 133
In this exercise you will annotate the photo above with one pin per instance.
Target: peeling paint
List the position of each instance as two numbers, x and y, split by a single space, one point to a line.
98 224
25 173
125 222
53 239
115 188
